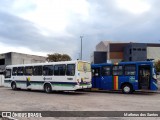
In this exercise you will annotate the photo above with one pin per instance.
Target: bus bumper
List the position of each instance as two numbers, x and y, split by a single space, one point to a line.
83 86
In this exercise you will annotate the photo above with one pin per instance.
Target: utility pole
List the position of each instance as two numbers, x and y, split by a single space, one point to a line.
81 46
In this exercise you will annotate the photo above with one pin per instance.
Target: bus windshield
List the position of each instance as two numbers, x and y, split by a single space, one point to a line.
154 73
84 67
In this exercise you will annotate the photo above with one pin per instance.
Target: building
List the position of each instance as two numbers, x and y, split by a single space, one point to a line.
118 51
99 57
13 58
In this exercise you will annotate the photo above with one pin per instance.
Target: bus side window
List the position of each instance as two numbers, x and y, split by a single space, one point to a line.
37 70
70 70
8 73
48 70
96 72
106 70
20 71
14 71
59 70
130 69
29 70
118 70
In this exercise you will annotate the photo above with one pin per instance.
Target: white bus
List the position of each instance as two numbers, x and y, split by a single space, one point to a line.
58 76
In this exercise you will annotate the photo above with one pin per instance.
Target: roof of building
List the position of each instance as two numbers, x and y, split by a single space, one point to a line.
122 42
21 54
119 45
115 42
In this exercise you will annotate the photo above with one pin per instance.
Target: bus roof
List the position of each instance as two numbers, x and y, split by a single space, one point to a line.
122 63
47 63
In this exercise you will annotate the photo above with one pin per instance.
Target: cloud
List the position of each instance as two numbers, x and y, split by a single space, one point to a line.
19 32
108 22
51 26
133 6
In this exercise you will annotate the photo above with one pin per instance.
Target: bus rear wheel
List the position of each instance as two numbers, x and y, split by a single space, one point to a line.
47 88
13 85
127 89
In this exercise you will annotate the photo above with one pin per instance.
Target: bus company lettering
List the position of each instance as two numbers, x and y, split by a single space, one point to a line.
132 78
47 78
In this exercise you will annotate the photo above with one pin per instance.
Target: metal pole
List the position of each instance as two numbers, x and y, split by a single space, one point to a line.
81 46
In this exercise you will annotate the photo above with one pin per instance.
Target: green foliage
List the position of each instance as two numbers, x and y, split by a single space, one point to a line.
58 57
157 66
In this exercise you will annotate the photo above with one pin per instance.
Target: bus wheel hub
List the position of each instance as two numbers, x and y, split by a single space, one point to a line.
126 89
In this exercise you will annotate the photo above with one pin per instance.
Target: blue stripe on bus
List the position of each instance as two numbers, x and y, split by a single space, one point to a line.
70 83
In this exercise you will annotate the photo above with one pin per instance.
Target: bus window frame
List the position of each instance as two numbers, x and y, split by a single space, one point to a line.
18 69
47 74
67 69
41 70
25 70
109 70
118 70
130 65
9 76
94 73
58 69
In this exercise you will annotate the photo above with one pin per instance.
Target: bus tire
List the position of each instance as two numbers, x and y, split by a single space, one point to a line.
14 86
127 89
47 88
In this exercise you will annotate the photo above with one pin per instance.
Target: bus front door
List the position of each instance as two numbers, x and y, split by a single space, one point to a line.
106 79
106 82
96 77
144 76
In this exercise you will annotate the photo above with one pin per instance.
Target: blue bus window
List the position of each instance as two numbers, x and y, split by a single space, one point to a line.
130 70
106 70
118 70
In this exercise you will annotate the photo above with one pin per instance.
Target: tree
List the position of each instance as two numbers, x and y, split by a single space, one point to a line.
58 57
157 66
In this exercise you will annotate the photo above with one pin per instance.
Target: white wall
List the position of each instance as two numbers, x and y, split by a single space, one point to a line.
1 80
18 58
153 52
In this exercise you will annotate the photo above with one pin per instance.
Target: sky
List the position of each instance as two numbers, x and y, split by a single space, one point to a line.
42 27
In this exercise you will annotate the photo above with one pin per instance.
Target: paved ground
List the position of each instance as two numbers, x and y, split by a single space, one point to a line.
23 100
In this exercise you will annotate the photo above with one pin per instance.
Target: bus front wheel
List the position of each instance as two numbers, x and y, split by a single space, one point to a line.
13 85
127 89
47 88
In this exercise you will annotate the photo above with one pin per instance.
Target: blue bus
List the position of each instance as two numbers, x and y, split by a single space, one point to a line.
125 76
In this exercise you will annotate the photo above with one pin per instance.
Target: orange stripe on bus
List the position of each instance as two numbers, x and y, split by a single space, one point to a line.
115 82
